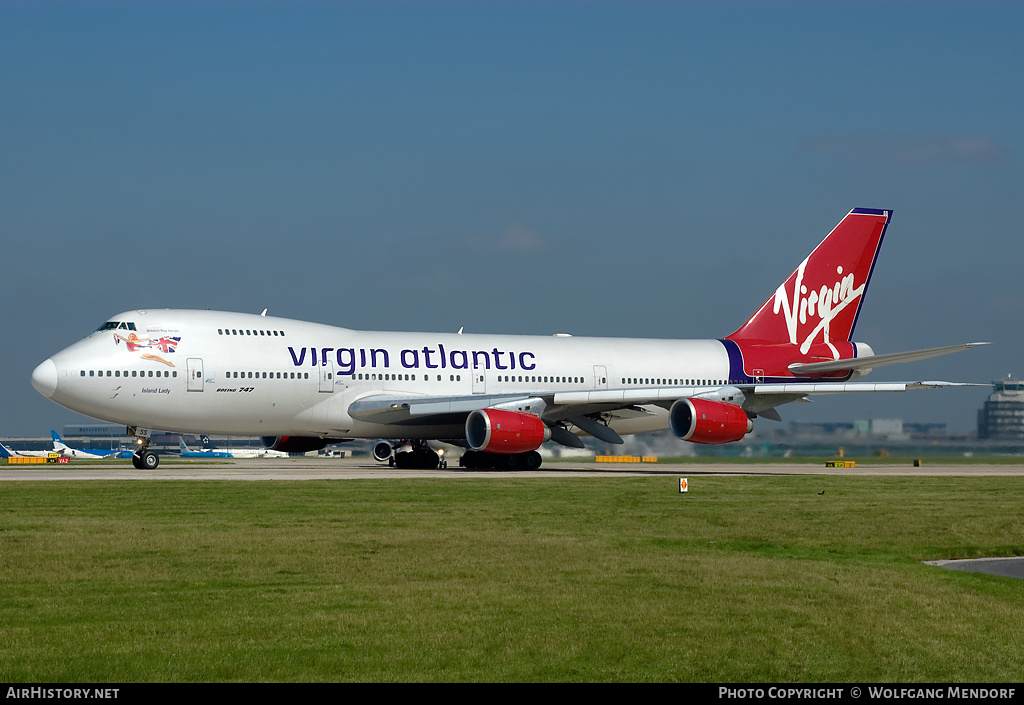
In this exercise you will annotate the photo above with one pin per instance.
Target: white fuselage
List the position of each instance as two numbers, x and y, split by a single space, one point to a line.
79 454
230 373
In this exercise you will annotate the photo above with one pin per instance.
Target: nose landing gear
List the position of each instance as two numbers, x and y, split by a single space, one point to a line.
143 458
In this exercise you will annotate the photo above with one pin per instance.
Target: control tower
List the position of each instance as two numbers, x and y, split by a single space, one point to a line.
1002 416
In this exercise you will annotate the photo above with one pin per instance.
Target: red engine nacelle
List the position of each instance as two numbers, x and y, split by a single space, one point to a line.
294 444
704 421
499 431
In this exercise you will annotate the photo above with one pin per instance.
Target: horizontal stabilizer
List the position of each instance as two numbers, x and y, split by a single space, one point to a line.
873 361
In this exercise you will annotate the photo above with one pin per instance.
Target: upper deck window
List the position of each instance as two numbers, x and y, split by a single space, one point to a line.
117 325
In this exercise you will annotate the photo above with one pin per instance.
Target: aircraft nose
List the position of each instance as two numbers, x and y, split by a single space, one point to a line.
44 378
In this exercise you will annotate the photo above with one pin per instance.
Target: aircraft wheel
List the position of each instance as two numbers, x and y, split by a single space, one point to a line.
146 460
532 460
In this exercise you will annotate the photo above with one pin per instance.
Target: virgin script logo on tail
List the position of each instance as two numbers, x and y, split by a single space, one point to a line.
820 307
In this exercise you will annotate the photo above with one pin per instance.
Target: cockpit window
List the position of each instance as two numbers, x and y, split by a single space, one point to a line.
117 325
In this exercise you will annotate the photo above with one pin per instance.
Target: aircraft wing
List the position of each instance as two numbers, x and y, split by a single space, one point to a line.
582 408
872 361
551 406
762 399
393 409
811 388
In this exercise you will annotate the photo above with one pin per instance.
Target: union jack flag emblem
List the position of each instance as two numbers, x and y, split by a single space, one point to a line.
166 344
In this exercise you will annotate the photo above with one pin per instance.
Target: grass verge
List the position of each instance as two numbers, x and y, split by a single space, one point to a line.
619 579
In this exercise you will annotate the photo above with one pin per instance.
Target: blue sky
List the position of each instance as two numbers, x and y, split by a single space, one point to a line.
646 169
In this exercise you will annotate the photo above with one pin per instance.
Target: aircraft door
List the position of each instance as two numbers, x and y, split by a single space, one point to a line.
327 377
600 377
194 367
479 379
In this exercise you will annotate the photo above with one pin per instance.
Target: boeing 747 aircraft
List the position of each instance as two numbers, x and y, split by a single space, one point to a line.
303 385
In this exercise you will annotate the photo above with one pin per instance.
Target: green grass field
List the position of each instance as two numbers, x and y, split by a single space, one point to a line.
619 579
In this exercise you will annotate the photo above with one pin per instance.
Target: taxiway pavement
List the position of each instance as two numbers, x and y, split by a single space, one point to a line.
255 469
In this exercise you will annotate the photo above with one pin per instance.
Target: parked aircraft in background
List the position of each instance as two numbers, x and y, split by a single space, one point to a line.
187 452
6 452
62 450
208 451
303 385
81 454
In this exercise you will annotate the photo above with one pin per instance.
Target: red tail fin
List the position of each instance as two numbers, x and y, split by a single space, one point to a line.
819 303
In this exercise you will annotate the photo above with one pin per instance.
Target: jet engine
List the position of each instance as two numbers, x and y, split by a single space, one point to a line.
505 432
381 451
710 422
294 444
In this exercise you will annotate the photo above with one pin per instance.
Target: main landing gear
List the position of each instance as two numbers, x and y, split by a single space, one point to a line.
417 455
414 455
143 458
476 459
